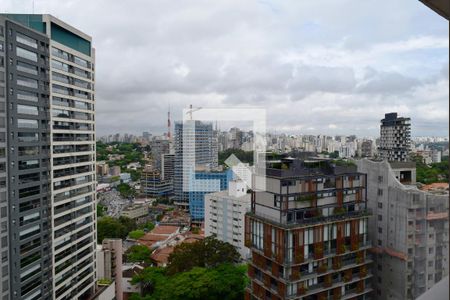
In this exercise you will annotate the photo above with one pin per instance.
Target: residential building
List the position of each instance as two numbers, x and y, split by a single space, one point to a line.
366 148
128 272
114 171
436 156
409 231
102 168
109 263
47 133
195 146
395 138
308 232
205 182
225 215
152 184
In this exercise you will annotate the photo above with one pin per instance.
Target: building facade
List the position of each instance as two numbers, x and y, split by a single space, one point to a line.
195 146
153 185
109 264
308 233
202 183
167 166
225 215
47 70
395 138
409 232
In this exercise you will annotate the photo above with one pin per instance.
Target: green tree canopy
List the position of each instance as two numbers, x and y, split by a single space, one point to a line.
138 253
125 190
136 234
108 227
208 253
147 226
224 281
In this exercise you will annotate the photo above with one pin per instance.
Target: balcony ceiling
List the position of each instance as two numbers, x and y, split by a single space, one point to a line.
442 7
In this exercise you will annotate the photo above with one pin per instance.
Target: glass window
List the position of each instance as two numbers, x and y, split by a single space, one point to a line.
29 232
26 40
81 62
28 137
60 66
28 150
26 54
28 82
26 123
60 89
61 101
27 68
27 110
27 96
60 78
60 53
28 164
60 113
81 72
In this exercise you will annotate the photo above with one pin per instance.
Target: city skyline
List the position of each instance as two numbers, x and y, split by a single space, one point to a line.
303 63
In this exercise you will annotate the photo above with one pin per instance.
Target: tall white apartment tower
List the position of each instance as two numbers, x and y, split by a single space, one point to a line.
47 131
225 215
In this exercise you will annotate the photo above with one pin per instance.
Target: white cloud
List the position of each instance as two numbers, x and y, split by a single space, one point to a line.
307 62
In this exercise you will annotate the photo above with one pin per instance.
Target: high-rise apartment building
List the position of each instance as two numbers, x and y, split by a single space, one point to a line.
47 136
395 138
195 147
308 233
225 215
409 231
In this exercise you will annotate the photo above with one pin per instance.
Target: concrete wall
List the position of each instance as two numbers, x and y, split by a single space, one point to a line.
405 240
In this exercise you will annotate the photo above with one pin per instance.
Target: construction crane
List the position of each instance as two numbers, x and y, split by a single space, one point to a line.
191 110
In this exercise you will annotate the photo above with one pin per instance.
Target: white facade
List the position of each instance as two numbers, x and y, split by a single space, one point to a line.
225 215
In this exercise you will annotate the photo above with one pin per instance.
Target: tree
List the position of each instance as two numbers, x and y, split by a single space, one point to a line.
208 253
125 190
147 226
129 224
222 282
138 253
108 227
149 278
136 234
101 210
334 154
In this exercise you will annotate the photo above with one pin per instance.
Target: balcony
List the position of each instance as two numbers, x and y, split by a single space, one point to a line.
312 218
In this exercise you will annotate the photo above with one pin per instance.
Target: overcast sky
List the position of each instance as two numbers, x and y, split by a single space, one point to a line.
323 66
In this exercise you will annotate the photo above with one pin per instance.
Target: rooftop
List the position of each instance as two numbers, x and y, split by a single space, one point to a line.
436 188
293 167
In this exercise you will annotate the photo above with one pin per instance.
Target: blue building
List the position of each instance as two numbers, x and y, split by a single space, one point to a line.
205 183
